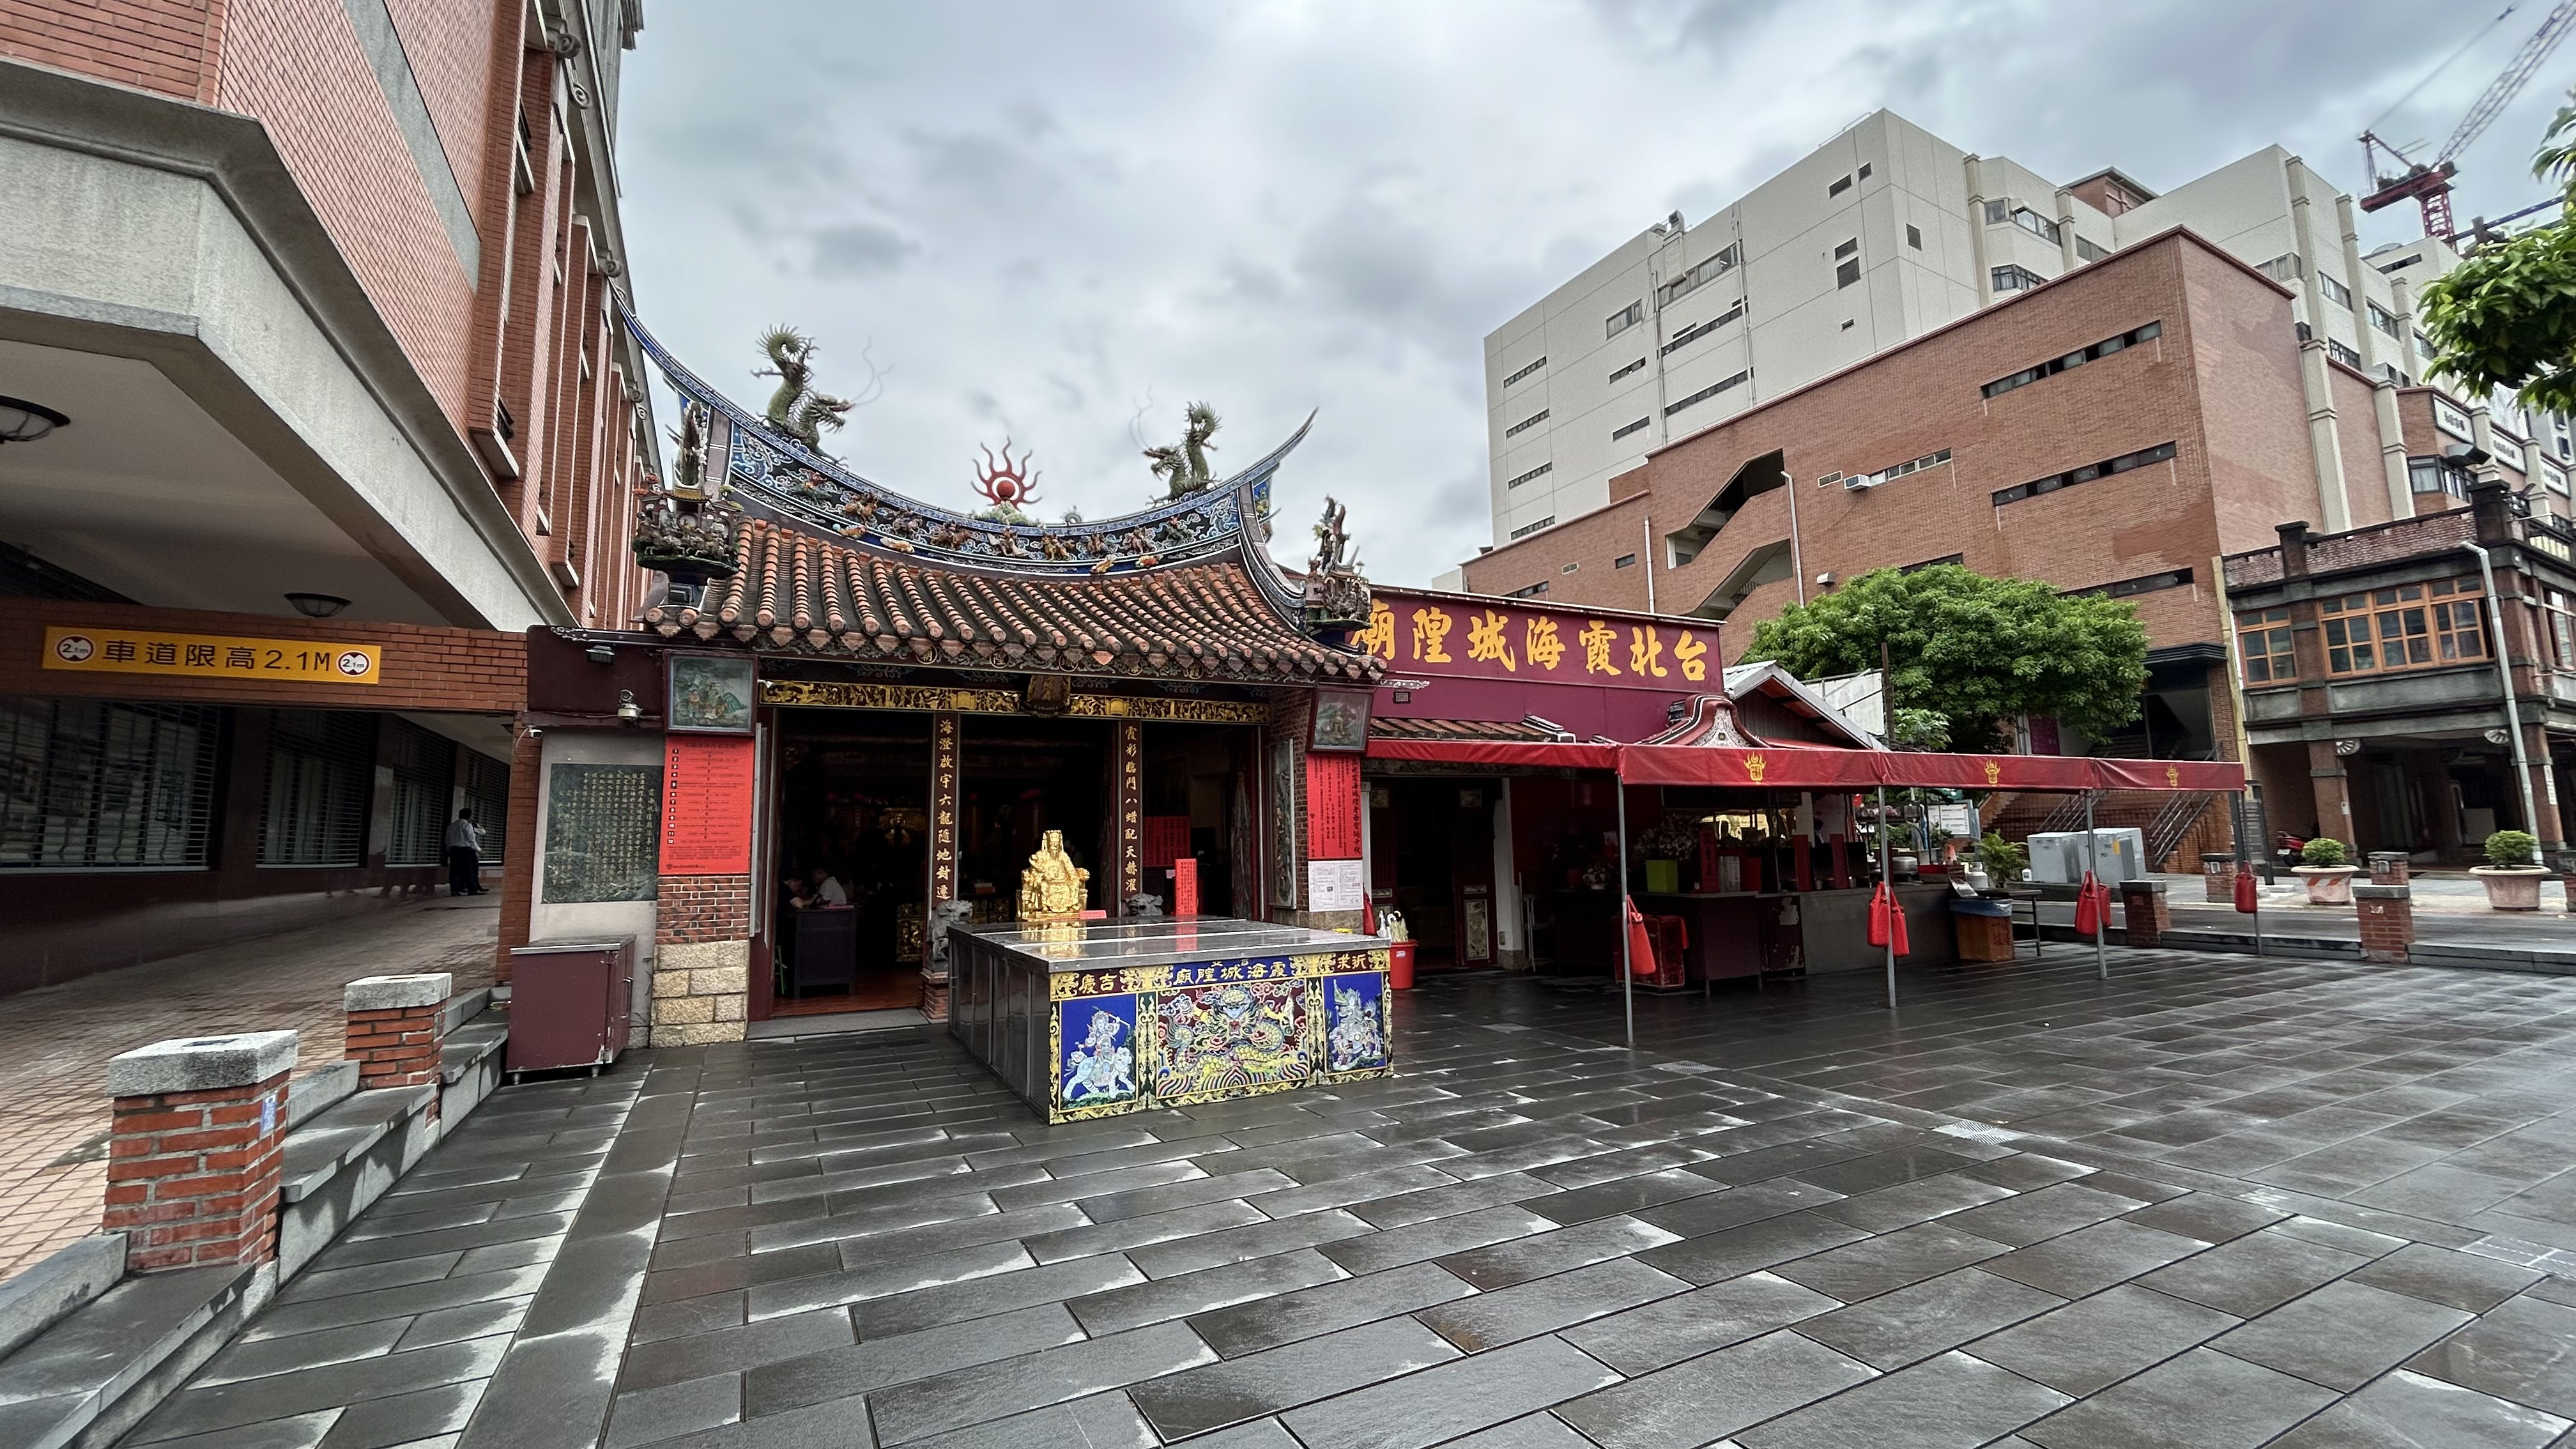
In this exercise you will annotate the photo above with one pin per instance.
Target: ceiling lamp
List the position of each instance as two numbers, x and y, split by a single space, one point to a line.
317 606
24 422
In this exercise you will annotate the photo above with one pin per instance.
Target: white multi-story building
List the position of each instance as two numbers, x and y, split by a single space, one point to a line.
1881 235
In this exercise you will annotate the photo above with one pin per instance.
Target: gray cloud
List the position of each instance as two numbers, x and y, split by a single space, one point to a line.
1049 214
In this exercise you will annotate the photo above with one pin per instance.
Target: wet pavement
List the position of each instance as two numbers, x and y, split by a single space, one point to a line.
2215 1201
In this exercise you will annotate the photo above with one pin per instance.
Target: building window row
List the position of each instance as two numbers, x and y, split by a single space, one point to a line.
2409 627
1530 592
2561 614
2086 251
1625 429
1623 319
2437 475
319 768
96 785
1526 529
2016 279
1525 424
1631 367
1932 563
2343 354
2387 322
1541 471
2086 474
1698 330
1624 561
2077 358
1707 271
2340 294
1710 391
2143 584
1998 212
2265 642
1532 367
2283 269
1911 465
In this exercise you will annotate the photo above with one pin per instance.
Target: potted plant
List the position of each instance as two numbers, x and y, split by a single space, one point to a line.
2513 872
2003 861
2323 865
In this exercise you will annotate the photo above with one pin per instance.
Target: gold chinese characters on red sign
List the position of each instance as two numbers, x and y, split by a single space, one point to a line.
1493 641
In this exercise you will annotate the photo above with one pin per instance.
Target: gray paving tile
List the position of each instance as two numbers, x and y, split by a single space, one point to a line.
1238 1390
881 1362
1137 1202
261 1357
2037 1216
2342 1335
731 1350
1718 1211
1435 1238
1254 1240
2439 1275
989 1391
2253 1274
1135 1232
2097 1341
2209 1217
905 1275
1287 1317
1700 1321
1450 1400
2089 1260
1907 1203
2201 1400
1890 1261
1883 1169
304 1431
2408 1411
1530 1431
958 1302
2522 1351
1507 1315
1451 1198
670 1410
226 1406
1342 1192
1764 1243
375 1305
1622 1195
1952 1401
1922 1319
1540 1254
839 1424
1714 1395
1204 1291
1100 1421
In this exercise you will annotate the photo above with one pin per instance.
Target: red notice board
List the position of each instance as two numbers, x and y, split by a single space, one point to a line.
706 805
1333 807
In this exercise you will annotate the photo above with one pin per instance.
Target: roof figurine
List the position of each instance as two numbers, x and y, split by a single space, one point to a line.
1336 595
1184 464
1003 486
798 408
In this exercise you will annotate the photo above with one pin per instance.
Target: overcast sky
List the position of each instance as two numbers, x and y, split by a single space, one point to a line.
1062 222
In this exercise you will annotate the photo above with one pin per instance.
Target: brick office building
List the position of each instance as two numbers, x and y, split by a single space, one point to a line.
2116 429
306 354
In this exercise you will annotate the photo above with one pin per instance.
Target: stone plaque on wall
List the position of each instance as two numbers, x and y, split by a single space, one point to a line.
602 828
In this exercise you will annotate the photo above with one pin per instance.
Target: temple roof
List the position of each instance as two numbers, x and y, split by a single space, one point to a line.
1208 620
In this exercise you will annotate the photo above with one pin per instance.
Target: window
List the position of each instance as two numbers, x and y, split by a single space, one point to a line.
2406 627
1847 248
1710 391
2437 475
2263 636
1569 568
1540 471
1864 171
1846 273
320 768
423 766
1910 465
1526 529
2016 279
1530 592
2078 358
2562 629
2343 354
2337 291
1931 563
2086 474
2086 251
1525 424
1631 367
1623 319
1698 330
2283 269
105 785
1625 560
2423 346
2386 321
1996 211
1839 187
1707 271
2143 584
1914 237
1625 429
1526 370
2036 224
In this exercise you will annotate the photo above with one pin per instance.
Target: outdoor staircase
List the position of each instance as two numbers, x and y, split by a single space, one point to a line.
2175 829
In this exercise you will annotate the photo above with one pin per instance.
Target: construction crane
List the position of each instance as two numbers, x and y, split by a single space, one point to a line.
2428 184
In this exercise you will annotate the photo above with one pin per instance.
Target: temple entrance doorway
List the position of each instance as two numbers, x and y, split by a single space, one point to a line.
850 871
1432 860
1019 777
1197 795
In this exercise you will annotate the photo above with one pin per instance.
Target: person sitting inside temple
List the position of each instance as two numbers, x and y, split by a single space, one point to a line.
826 889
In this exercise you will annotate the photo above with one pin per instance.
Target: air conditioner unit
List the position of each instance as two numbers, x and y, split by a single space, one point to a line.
1858 481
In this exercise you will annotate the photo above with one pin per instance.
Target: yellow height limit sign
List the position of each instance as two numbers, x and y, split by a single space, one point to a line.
211 656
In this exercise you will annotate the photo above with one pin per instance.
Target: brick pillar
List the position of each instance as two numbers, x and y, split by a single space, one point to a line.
2387 915
2389 867
197 1149
701 959
2144 912
393 1031
2218 877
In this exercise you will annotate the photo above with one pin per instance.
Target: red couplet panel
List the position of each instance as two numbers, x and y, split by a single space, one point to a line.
1333 807
707 787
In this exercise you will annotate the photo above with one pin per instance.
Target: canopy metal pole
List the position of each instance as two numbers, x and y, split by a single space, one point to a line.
1887 883
1627 937
2101 916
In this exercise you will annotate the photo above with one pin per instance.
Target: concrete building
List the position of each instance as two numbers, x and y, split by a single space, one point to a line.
310 388
1887 233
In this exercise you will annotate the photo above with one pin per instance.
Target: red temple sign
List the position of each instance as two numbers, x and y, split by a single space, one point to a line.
706 805
1332 807
1456 636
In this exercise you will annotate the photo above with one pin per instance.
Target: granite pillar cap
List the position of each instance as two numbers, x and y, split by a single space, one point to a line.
201 1064
387 993
2364 892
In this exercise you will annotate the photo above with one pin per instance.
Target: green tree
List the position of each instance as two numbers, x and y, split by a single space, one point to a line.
1972 650
2505 317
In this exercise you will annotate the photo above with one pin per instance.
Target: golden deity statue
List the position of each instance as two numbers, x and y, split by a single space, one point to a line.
1053 888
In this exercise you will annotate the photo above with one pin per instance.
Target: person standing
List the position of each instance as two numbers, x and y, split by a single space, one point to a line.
464 855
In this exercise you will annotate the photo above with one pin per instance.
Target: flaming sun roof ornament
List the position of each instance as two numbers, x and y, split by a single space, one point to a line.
1002 484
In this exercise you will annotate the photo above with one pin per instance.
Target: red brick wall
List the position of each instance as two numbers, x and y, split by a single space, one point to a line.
193 1177
449 45
169 46
703 908
518 884
2365 477
477 671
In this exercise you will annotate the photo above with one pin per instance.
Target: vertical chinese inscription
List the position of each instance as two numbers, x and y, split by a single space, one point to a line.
943 807
1131 808
600 833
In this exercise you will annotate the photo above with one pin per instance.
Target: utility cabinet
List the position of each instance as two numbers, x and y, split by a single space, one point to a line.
571 1003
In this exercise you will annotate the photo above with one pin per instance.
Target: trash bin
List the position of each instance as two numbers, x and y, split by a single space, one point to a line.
1399 966
1983 929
